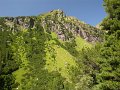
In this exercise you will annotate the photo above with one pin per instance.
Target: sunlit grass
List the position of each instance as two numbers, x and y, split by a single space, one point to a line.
62 62
81 43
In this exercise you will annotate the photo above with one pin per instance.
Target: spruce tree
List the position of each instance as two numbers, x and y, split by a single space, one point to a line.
109 74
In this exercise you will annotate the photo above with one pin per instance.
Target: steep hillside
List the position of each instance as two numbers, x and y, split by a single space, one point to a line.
42 50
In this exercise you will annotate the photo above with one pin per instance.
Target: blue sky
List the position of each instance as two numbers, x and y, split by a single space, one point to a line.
89 11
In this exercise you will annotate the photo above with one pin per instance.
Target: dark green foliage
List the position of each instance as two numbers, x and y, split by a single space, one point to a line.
70 47
112 21
6 82
109 77
102 63
7 63
110 64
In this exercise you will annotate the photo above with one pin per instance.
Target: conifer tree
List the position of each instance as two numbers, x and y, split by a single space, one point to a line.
109 75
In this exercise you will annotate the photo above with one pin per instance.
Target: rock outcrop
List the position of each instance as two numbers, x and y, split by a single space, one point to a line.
66 27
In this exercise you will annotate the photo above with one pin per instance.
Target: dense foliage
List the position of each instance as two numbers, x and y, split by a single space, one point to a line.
102 62
41 53
7 63
22 58
109 77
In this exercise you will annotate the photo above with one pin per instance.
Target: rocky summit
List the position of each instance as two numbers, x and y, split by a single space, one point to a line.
56 21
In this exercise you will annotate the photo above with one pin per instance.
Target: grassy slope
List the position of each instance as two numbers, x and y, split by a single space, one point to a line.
57 58
63 59
62 62
21 52
81 43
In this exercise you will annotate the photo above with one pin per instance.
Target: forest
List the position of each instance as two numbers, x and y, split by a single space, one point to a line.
53 51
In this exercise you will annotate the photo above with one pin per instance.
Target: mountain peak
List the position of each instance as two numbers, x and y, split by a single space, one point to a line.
66 27
57 10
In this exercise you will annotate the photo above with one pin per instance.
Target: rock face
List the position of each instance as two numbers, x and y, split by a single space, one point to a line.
66 27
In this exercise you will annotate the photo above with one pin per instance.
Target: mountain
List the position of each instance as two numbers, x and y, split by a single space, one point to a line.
40 52
56 21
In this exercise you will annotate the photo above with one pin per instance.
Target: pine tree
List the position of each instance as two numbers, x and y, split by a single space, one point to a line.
109 74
